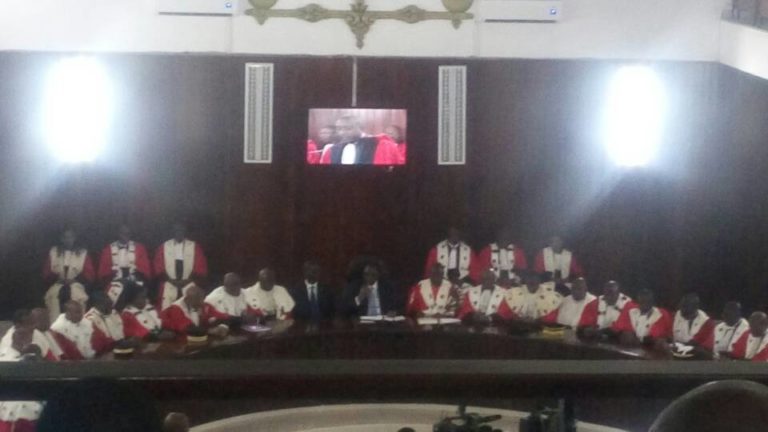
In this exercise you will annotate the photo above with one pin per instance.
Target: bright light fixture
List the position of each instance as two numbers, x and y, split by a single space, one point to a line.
634 116
77 109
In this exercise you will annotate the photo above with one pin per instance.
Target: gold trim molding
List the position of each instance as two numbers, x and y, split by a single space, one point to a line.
359 18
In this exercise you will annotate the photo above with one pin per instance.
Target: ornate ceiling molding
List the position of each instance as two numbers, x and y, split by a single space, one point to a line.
359 18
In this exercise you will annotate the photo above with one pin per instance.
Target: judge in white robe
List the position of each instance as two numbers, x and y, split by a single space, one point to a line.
267 299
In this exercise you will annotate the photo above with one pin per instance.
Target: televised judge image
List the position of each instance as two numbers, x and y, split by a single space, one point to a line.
356 137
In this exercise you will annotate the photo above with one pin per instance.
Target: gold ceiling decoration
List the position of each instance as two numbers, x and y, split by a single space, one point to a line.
359 18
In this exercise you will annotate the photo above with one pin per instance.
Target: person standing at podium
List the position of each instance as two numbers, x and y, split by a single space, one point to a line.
433 297
314 301
369 296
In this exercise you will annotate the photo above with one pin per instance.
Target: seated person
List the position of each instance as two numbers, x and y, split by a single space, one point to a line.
558 262
190 311
227 303
354 147
608 307
486 302
369 296
453 254
20 416
506 258
78 338
457 284
123 259
105 318
727 332
645 323
268 300
534 299
692 325
25 319
573 311
753 344
432 297
140 318
314 301
69 269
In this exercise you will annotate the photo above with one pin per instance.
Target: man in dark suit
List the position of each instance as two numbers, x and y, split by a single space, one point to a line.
314 301
370 296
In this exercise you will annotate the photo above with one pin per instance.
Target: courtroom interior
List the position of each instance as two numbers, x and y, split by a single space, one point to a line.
383 215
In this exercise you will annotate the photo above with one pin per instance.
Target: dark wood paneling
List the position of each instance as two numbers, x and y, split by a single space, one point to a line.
693 221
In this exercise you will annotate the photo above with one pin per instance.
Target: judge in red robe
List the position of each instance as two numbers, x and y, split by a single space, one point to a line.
486 302
602 312
105 318
190 312
504 257
645 323
140 318
691 325
753 344
78 338
353 147
179 262
20 416
69 269
558 262
727 332
123 260
397 135
452 254
325 136
25 320
227 304
432 297
573 310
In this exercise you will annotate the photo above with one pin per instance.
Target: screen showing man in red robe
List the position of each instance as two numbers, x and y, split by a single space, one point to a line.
360 136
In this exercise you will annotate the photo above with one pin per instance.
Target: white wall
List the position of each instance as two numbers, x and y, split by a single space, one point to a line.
642 29
744 48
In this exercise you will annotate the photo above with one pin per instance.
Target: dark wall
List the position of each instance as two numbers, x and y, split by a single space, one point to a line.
691 221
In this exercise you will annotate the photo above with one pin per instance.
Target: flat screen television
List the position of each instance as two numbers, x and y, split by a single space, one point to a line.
356 136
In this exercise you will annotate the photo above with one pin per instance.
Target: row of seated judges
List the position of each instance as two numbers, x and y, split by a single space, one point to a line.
180 262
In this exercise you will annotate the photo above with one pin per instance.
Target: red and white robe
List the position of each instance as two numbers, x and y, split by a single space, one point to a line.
18 416
179 317
48 348
110 325
277 302
141 322
602 315
459 256
79 341
656 324
495 302
564 262
224 306
698 330
573 313
723 337
507 259
533 305
430 300
63 265
117 256
749 347
194 266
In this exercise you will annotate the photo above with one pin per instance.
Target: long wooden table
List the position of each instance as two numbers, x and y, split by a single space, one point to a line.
394 340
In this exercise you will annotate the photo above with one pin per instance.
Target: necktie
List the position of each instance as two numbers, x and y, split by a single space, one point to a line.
313 304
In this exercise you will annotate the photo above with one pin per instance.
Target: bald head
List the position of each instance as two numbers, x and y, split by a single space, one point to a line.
266 279
176 422
194 296
717 406
73 311
232 284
